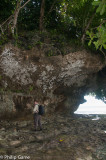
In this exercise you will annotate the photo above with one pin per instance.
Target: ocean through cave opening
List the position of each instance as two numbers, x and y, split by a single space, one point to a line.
92 106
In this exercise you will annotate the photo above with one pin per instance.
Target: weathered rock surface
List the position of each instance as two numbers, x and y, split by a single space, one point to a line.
62 138
58 80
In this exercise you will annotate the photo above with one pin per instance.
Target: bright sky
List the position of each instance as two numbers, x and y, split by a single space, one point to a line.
92 106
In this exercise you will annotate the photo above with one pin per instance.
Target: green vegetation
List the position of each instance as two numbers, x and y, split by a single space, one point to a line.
31 88
3 39
81 21
97 35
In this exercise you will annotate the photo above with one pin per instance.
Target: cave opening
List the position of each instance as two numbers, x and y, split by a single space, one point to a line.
92 106
95 97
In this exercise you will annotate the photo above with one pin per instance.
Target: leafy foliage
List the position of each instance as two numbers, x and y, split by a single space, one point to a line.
72 18
6 9
101 6
98 35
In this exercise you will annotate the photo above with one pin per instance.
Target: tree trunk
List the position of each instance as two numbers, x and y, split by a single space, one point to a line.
13 18
15 21
16 15
1 29
41 22
18 8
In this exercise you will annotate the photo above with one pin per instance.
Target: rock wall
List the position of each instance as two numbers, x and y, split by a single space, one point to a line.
57 81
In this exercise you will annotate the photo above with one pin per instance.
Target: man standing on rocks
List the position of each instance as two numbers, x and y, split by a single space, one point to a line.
37 117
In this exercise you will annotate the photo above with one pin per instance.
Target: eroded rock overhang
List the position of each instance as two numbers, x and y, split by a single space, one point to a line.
59 80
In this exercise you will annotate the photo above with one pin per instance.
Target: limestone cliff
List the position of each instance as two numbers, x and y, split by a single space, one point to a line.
60 80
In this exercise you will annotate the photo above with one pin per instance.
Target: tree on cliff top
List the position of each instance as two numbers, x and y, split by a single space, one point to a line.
82 20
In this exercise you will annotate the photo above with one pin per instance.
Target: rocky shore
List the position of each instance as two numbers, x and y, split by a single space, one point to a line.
62 138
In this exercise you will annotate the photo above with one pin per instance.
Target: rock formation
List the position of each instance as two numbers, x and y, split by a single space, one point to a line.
59 81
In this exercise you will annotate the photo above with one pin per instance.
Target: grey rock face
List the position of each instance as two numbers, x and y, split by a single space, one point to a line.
55 80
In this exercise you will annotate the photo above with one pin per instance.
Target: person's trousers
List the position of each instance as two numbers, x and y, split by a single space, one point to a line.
37 121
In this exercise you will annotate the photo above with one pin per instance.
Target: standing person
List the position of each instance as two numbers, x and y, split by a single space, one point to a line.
37 117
